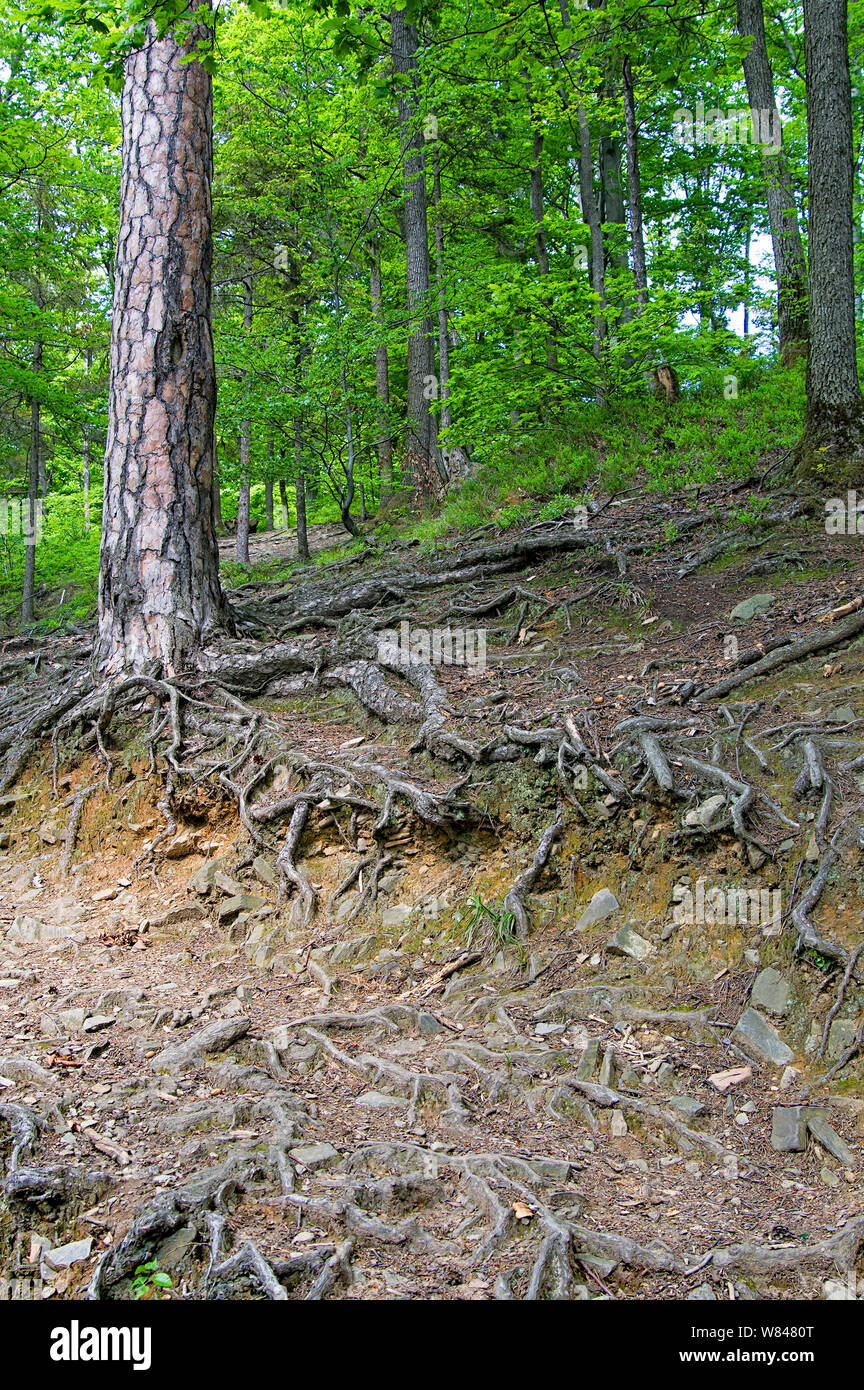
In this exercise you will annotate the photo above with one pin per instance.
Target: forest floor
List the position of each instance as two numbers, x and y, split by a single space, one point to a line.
457 1038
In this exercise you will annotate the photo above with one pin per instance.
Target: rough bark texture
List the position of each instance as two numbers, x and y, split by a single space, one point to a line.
421 452
300 500
789 264
159 592
831 451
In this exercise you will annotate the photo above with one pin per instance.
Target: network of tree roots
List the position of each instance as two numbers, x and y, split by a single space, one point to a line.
494 1100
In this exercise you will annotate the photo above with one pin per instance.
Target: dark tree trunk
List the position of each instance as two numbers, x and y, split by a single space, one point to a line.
421 452
831 451
283 501
245 441
789 263
159 592
300 502
33 497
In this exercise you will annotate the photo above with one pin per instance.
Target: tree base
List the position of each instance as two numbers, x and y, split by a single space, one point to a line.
830 453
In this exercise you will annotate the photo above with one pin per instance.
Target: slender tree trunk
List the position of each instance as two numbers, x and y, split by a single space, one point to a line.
245 440
300 503
421 452
831 451
33 497
789 264
159 592
283 501
634 190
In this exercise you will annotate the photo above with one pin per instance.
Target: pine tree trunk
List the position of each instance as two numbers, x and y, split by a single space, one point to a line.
831 451
421 453
159 592
789 264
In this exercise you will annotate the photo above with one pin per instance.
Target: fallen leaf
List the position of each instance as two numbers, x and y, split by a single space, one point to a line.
522 1211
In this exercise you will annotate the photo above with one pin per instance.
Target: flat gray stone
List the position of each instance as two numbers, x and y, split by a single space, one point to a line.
703 1294
788 1129
771 991
376 1100
840 1037
755 1036
315 1155
751 607
830 1139
94 1023
429 1024
216 1037
601 906
62 1256
353 949
241 902
688 1106
627 942
708 814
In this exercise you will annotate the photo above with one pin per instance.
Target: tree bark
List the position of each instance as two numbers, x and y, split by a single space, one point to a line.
789 264
421 452
541 253
159 591
245 440
831 451
283 501
300 502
